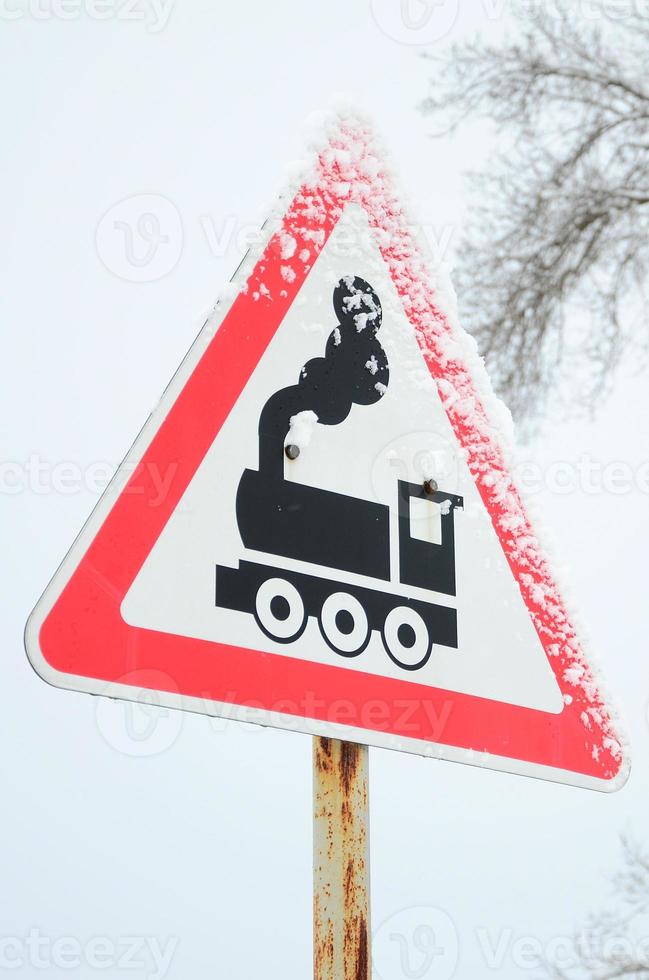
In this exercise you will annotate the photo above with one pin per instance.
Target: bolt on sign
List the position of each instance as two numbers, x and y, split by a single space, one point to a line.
341 549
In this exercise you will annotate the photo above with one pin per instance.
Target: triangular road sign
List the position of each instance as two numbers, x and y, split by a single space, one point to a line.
338 547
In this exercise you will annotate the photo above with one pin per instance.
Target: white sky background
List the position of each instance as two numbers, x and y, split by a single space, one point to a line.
209 840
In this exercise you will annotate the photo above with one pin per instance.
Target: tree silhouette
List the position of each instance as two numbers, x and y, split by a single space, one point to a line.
613 944
553 268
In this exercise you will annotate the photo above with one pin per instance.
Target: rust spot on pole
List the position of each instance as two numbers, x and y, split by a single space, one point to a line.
362 960
341 919
349 757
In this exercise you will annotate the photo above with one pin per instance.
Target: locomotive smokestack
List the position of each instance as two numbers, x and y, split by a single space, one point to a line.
354 370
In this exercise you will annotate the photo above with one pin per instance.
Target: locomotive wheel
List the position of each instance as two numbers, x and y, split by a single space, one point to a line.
344 625
406 638
279 610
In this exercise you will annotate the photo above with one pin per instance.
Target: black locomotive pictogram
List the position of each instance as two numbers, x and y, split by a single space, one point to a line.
287 519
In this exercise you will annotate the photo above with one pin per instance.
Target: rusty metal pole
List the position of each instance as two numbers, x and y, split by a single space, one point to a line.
341 861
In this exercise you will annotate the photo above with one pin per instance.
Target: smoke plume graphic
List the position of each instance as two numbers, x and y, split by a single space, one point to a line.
353 371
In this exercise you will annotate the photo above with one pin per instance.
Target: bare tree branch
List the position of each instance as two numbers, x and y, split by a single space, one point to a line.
613 944
554 267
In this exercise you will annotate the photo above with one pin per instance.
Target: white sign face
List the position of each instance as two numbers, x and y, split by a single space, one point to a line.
340 549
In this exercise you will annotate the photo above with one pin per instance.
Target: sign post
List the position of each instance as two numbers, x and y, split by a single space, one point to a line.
341 861
318 514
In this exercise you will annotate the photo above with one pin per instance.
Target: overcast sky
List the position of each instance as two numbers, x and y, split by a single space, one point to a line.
195 841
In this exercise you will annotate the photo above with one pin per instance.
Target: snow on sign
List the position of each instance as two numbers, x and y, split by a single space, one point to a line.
340 549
